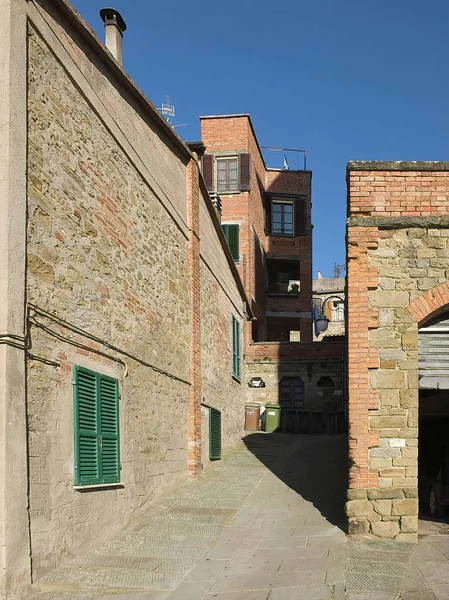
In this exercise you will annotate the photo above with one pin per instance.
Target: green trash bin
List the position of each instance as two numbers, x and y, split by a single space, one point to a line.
273 417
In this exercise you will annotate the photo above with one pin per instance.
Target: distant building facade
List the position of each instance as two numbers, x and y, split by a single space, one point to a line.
266 216
329 298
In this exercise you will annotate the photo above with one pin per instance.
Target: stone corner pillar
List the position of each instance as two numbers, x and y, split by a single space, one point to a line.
15 562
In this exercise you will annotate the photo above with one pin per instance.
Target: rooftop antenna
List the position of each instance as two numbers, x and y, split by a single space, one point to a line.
168 111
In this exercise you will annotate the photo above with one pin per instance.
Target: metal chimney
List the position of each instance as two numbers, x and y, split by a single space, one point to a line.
114 26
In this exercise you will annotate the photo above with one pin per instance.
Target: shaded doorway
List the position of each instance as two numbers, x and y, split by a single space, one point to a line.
433 455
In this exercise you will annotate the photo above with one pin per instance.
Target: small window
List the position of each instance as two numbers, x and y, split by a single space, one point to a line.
291 393
337 310
97 448
236 348
227 174
282 218
232 237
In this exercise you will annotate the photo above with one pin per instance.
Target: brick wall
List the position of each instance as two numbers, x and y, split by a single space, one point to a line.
235 134
397 259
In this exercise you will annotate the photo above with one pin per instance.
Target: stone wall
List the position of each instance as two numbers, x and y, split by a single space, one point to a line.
115 263
397 278
104 255
272 361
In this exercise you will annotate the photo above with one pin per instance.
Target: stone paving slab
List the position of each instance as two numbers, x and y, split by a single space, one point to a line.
259 525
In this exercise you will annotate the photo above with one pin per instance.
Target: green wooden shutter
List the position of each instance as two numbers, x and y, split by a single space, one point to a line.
97 448
109 440
214 434
235 348
87 455
231 232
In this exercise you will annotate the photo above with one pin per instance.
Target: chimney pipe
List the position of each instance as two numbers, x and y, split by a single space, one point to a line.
114 26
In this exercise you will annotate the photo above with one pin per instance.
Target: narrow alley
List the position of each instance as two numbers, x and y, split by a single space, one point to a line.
264 523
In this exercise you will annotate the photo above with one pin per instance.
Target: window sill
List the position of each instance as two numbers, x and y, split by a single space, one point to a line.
230 193
237 379
98 486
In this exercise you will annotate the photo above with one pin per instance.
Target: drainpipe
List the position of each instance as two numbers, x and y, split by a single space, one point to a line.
114 26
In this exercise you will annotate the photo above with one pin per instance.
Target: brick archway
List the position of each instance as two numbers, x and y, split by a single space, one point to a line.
430 303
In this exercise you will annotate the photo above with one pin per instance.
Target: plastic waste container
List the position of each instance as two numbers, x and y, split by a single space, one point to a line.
252 417
273 419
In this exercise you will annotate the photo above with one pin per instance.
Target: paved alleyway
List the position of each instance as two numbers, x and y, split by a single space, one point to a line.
264 523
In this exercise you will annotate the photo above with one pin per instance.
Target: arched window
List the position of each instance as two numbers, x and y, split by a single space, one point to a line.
291 392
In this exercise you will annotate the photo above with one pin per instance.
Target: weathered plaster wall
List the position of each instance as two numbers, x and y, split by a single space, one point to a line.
398 255
105 255
14 533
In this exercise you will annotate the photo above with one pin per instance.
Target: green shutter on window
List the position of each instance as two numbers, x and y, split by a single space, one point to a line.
214 434
109 441
235 348
231 232
97 455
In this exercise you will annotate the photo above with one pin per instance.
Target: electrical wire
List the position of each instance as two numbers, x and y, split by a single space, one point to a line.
42 312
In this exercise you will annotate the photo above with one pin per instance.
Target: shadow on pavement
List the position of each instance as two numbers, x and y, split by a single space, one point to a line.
317 469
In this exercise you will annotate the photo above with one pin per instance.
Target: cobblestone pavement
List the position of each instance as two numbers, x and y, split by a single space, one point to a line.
264 523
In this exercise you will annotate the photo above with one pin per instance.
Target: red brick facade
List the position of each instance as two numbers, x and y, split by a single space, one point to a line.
234 135
398 221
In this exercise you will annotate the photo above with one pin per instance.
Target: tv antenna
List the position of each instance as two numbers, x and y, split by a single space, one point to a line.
168 111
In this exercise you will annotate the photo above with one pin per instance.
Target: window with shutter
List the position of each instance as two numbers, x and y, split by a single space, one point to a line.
227 174
231 232
96 420
214 434
236 348
282 218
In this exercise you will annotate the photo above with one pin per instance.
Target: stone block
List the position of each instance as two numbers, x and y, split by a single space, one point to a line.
405 507
410 452
388 433
357 494
361 508
410 341
392 472
387 299
408 432
387 379
409 398
383 507
387 283
385 482
409 524
392 354
396 443
413 418
384 452
386 317
405 482
385 529
380 463
358 526
385 494
388 422
405 462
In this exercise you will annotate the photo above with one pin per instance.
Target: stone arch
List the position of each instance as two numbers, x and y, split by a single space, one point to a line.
430 303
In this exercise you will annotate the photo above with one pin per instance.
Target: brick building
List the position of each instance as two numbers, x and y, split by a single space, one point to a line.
398 299
122 312
266 216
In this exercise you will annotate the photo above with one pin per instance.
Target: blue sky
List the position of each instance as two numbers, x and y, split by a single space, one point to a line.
346 80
